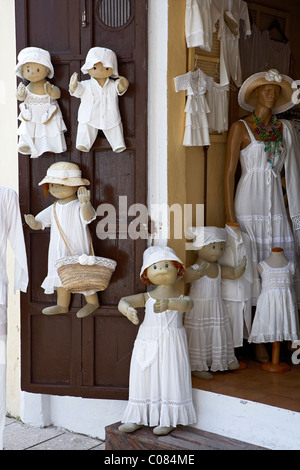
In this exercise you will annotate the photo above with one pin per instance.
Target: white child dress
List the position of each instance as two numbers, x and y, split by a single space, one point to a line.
207 326
160 389
34 133
276 317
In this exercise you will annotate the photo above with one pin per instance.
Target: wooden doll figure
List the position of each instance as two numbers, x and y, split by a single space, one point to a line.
160 390
207 324
42 127
99 107
74 212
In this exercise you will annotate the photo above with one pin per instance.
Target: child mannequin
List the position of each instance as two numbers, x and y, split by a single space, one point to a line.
207 323
99 108
276 316
42 127
160 390
74 212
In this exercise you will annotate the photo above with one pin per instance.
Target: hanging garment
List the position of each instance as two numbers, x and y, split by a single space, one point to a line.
207 327
195 84
259 203
198 24
237 293
276 317
230 63
10 229
217 100
160 388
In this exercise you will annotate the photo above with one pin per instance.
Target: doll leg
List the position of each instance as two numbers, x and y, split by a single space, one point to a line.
91 305
63 302
129 427
162 430
115 138
202 374
86 136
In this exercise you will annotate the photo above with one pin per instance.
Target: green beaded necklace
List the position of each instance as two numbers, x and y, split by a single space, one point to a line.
273 140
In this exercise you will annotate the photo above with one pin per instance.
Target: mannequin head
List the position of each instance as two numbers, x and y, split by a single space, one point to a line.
34 72
162 273
267 95
100 71
212 252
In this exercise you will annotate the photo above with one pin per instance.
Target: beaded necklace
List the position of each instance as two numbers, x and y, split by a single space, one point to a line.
273 140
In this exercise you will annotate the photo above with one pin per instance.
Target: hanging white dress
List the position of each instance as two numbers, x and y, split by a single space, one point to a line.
198 24
38 136
217 100
207 327
160 389
259 203
10 229
195 84
276 317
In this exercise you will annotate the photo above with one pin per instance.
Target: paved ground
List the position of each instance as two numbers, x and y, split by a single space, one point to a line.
18 436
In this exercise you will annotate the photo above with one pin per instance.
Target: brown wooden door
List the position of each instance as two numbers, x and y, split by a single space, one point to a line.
63 354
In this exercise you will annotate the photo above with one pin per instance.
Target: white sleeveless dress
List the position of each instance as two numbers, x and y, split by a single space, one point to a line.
207 326
160 388
276 316
260 208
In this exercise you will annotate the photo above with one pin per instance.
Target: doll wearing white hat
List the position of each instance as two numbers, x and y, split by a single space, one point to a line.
42 127
99 107
207 323
74 212
160 390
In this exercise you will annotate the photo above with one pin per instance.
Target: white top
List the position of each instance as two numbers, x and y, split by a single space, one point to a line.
11 229
99 106
75 229
198 24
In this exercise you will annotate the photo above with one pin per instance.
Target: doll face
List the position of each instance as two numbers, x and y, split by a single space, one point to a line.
60 191
267 95
99 71
212 252
162 273
34 72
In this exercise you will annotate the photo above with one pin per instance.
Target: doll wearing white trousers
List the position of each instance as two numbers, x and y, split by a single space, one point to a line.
99 107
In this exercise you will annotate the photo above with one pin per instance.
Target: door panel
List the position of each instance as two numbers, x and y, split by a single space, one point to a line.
66 355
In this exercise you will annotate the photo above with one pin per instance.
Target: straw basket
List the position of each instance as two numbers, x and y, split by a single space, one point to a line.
77 277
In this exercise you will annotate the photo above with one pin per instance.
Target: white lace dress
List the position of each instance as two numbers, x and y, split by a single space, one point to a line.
260 208
160 389
207 327
276 317
35 134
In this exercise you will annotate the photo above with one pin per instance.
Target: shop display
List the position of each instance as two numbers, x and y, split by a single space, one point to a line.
42 127
160 390
99 107
10 230
237 293
74 212
207 324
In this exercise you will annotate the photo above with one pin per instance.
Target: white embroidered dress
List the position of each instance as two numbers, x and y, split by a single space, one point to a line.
38 136
76 230
160 389
276 317
207 327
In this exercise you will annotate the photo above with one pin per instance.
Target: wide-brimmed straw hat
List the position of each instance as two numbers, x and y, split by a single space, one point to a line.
65 173
154 254
248 99
35 55
101 54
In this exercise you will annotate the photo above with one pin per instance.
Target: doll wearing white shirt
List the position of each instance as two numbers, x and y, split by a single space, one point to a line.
99 107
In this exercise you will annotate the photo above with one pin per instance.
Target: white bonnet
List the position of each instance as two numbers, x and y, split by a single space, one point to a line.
154 254
35 55
205 235
100 54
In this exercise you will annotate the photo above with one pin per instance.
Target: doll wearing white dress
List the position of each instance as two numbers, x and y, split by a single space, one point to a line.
160 389
42 127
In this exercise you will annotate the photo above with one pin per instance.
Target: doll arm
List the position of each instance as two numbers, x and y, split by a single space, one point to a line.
76 88
232 273
87 210
33 224
195 272
182 304
122 85
21 92
127 306
52 90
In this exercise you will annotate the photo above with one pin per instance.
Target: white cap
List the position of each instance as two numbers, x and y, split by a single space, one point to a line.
100 54
154 254
205 235
35 55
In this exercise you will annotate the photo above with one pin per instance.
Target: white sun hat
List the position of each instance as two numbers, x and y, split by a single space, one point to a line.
247 97
154 254
35 55
101 54
65 173
203 236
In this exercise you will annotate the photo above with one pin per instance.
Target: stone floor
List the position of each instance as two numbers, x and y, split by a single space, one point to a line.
19 436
